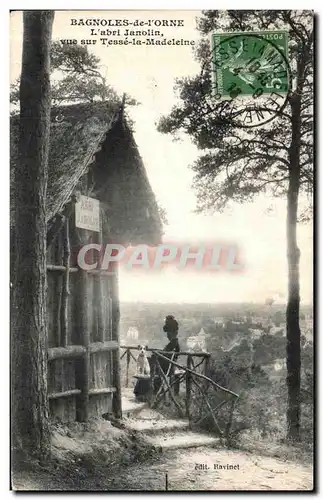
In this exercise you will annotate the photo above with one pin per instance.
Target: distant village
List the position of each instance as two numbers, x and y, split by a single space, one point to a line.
260 336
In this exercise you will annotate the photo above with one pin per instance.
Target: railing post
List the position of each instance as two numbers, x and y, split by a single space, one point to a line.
188 387
206 370
65 287
127 370
82 365
229 424
115 315
207 366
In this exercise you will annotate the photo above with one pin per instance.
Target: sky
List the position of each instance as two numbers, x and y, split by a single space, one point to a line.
148 74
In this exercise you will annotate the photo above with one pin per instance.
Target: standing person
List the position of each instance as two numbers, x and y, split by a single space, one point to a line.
171 329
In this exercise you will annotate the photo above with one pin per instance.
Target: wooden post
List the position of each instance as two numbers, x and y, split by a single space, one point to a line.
128 363
116 367
65 286
198 375
82 365
169 389
162 391
206 369
207 366
58 292
153 377
99 297
208 406
188 387
229 424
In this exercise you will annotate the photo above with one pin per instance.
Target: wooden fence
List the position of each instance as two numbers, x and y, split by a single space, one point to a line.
194 374
203 357
83 333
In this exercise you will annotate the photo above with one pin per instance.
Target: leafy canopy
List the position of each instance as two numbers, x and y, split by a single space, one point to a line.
76 76
238 163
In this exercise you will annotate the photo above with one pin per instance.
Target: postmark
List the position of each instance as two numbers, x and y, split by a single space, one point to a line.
250 76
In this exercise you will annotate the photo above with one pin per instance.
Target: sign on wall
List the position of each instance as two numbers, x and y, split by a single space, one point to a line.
87 214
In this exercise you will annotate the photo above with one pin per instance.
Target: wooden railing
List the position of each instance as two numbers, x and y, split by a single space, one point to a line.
205 357
80 351
188 373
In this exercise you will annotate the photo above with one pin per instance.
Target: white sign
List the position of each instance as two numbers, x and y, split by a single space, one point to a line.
87 214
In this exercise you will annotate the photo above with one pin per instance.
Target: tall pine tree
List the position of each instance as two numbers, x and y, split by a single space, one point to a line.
30 430
240 163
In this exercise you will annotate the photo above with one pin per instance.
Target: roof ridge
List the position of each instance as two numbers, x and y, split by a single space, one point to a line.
90 158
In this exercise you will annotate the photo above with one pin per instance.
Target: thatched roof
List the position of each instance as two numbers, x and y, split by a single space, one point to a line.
96 137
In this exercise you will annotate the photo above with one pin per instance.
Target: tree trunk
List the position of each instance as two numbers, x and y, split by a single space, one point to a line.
293 347
292 314
30 430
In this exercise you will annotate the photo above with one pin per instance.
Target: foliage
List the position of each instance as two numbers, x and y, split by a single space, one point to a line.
162 214
239 163
76 76
260 411
268 348
148 318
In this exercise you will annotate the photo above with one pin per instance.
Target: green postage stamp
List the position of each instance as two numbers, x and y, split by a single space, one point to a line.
250 63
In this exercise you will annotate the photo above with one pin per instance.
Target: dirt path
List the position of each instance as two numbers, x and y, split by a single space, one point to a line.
193 469
184 471
199 469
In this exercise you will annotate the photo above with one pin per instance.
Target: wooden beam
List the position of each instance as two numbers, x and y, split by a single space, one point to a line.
206 370
161 393
99 297
188 387
209 406
205 416
198 375
108 345
169 389
127 369
199 363
62 269
181 353
57 308
70 351
123 355
65 285
133 357
101 272
58 223
207 367
76 351
65 394
104 390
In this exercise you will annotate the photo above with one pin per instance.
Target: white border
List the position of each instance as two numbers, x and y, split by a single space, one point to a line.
116 5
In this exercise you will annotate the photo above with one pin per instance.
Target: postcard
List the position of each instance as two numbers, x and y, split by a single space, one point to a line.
161 250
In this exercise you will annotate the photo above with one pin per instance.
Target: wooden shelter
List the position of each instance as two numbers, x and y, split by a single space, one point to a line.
92 153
